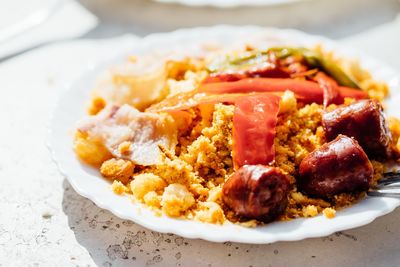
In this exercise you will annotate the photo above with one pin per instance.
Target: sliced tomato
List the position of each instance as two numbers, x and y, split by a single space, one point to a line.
254 129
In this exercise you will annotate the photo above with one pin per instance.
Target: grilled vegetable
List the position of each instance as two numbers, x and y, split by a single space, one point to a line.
254 128
305 91
256 60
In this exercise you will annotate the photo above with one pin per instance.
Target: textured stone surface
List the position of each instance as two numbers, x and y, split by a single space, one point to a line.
44 222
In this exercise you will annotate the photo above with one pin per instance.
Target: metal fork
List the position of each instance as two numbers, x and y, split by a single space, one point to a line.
389 186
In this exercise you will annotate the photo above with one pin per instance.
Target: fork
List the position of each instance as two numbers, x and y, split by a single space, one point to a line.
387 186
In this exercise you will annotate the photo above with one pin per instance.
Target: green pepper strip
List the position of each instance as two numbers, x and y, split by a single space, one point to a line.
316 60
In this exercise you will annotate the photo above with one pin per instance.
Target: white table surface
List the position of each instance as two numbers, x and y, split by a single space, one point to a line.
44 222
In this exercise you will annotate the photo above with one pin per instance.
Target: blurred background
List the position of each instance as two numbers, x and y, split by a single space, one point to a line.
25 25
335 19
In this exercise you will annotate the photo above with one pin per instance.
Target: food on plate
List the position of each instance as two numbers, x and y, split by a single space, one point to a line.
130 134
248 135
364 121
257 191
340 166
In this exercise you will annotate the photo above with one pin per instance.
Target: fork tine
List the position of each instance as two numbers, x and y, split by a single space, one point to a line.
389 181
387 186
383 194
390 178
384 186
390 174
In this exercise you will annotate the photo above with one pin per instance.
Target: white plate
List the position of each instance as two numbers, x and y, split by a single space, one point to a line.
17 16
87 182
229 3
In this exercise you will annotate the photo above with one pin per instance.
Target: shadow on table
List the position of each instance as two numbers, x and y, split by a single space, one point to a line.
335 19
111 241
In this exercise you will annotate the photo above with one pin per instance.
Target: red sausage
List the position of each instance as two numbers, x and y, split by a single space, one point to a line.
257 192
365 121
336 167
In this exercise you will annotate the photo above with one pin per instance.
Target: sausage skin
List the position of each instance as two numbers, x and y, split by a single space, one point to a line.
363 120
336 167
257 192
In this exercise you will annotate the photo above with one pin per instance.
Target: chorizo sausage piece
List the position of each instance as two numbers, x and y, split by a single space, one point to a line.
365 121
257 192
336 167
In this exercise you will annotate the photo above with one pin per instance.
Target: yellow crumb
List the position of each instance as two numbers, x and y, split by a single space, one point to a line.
176 171
298 199
117 169
250 223
379 169
152 199
210 153
145 183
190 81
210 212
288 102
125 148
376 90
297 134
176 199
215 194
179 70
90 150
310 211
329 213
394 126
118 187
97 104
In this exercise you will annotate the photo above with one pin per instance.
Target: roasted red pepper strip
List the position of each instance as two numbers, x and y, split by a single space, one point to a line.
189 100
330 89
254 128
305 91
